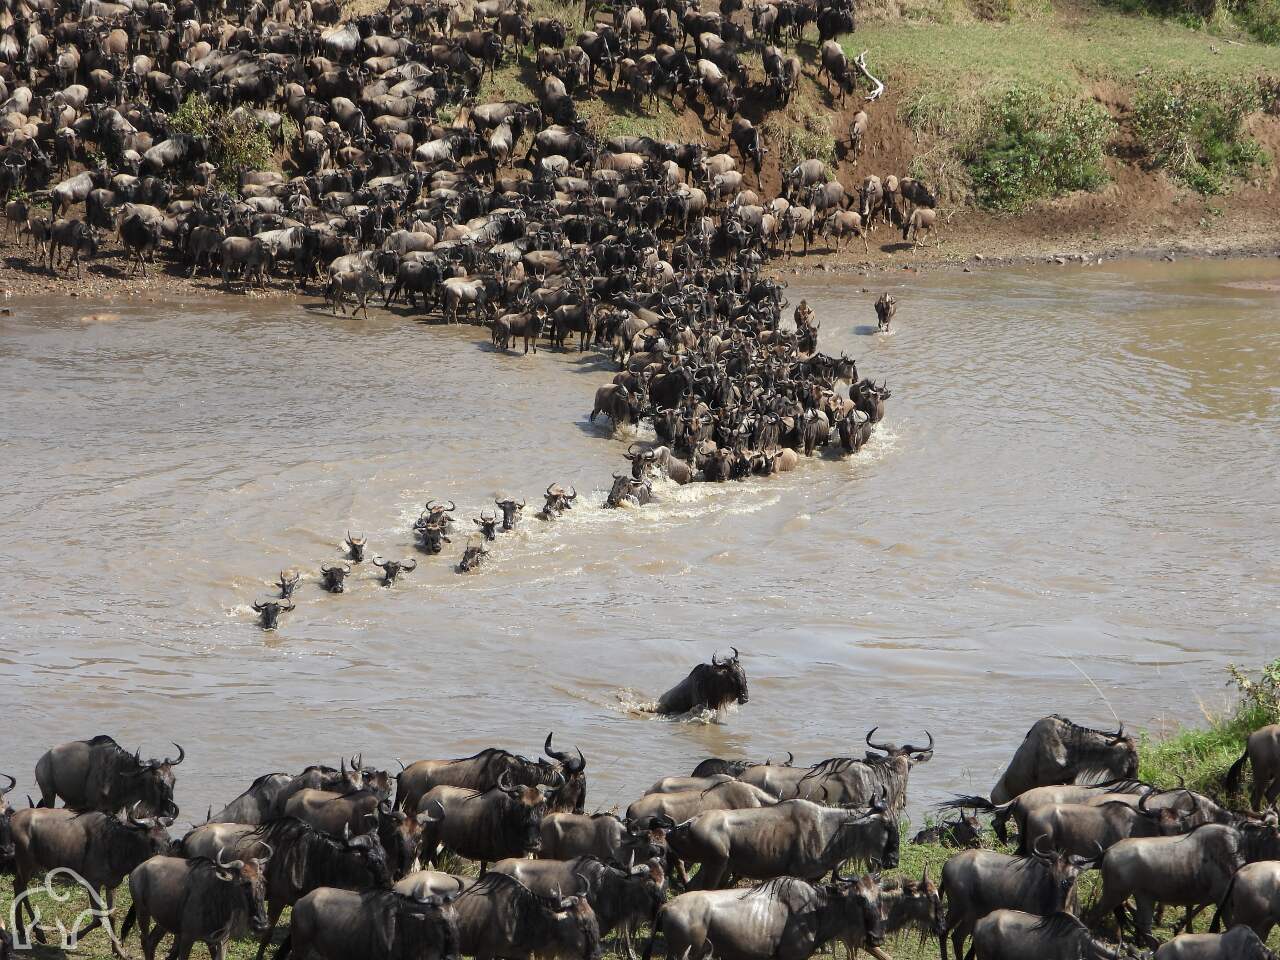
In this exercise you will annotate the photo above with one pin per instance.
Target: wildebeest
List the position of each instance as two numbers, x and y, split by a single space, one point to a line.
844 781
473 555
1192 871
481 772
375 924
269 610
793 837
500 917
504 821
1057 751
627 489
1014 935
886 307
1088 830
355 547
1262 750
333 576
603 835
683 805
510 512
1240 943
101 848
99 774
781 919
1252 899
558 500
709 686
258 804
198 901
976 882
918 226
288 582
621 897
392 569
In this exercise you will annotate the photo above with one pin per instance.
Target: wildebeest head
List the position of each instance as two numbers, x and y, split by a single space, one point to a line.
861 897
473 556
249 880
355 547
571 796
432 534
488 524
333 575
269 611
401 836
154 781
526 808
288 582
558 500
891 750
627 490
391 569
883 839
440 513
1062 868
914 904
579 928
510 512
724 680
368 850
147 836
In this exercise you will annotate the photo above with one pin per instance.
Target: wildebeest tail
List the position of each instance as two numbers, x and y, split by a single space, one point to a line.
1231 782
962 802
1222 915
128 921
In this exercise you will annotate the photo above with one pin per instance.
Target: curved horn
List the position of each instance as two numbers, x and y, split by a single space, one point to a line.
228 865
577 766
505 775
1035 847
13 782
549 493
410 564
270 852
877 746
573 493
182 755
451 507
553 754
736 655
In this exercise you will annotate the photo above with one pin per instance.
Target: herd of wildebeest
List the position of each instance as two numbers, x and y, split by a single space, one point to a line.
771 844
728 399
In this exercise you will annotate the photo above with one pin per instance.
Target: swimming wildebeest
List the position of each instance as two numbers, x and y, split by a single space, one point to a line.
510 513
1057 751
356 547
101 848
481 772
793 837
709 686
1263 751
781 919
198 901
886 307
99 774
269 610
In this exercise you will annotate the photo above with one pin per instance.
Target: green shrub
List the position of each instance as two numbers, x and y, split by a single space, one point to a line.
1030 143
1193 126
235 142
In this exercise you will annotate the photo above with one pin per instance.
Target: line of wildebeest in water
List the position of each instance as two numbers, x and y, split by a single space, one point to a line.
344 849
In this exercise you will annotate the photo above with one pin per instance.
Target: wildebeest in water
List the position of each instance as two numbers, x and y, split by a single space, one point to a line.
709 686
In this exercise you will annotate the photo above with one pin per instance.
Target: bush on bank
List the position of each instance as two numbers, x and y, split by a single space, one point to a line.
1193 126
235 142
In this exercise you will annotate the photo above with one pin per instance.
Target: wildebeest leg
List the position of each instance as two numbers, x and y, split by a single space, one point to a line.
273 917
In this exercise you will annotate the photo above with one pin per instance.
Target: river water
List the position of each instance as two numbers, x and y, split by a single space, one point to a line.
1076 476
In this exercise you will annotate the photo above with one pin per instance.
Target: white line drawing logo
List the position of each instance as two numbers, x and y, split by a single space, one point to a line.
32 897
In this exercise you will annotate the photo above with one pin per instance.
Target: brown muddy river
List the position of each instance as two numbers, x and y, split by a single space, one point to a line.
1077 474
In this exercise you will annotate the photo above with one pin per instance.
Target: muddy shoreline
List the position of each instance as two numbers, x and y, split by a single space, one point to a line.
107 278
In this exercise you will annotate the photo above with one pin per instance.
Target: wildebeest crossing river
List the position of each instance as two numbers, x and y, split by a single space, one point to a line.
1076 470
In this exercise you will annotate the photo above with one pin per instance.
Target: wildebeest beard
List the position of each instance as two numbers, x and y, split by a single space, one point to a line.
1099 753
